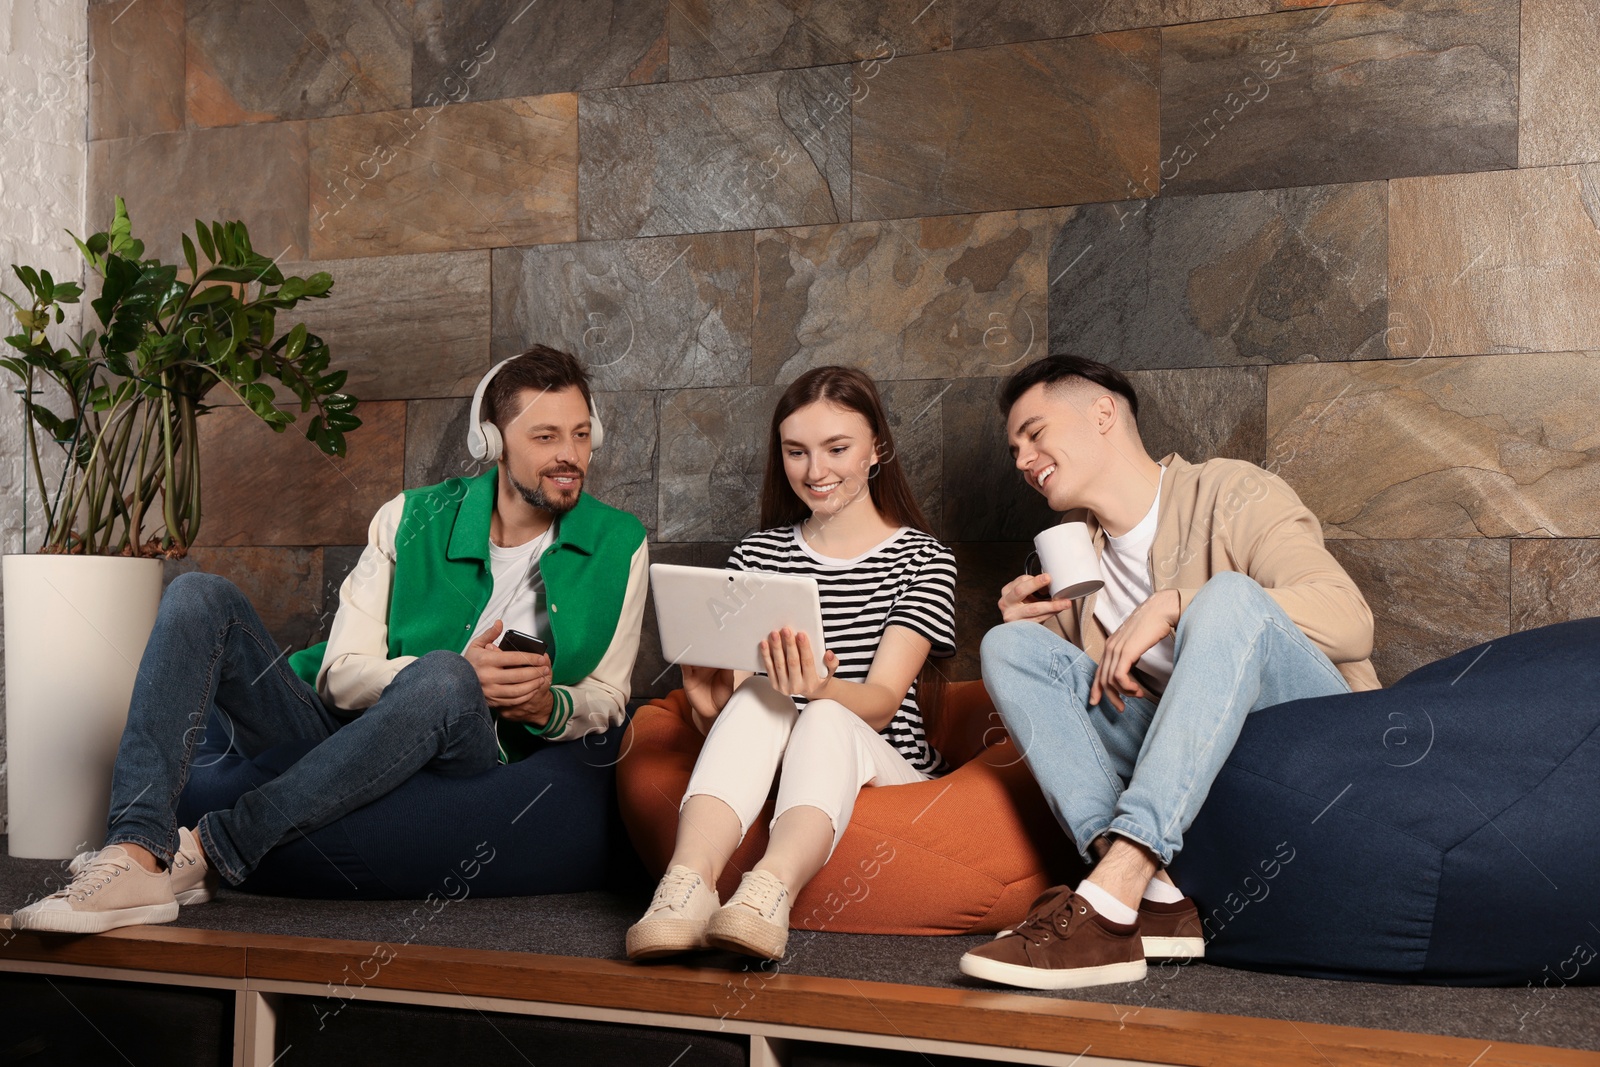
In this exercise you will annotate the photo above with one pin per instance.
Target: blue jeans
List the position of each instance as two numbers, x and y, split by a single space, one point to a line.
1144 772
209 649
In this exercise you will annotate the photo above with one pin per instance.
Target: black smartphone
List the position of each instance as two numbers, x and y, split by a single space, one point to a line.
517 641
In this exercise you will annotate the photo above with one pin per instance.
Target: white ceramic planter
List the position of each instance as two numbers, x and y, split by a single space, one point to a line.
75 629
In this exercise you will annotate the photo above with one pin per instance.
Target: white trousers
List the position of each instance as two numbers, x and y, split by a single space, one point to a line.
828 754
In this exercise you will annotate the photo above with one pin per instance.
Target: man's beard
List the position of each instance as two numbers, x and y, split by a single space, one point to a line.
535 495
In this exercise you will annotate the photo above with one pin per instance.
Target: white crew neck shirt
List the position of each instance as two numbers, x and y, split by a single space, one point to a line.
518 598
1125 567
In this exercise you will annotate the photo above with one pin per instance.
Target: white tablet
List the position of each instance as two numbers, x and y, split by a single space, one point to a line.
717 618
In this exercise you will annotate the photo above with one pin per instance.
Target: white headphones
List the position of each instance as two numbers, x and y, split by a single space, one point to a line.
483 437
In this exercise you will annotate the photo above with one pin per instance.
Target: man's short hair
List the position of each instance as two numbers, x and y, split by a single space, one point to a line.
1055 369
540 368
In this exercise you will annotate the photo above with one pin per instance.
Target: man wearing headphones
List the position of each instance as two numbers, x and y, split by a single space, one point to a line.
418 671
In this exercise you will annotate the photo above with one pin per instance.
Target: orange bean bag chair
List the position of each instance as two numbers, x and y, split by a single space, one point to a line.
962 854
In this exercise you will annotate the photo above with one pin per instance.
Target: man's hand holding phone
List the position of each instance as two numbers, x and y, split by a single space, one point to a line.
516 684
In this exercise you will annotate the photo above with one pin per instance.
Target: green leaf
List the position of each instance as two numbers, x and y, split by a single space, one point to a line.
239 327
189 256
297 343
263 270
332 383
210 295
216 344
230 274
58 428
122 240
268 321
204 235
120 274
256 394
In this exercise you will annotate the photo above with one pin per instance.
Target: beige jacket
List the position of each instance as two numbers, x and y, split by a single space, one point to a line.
1230 515
356 667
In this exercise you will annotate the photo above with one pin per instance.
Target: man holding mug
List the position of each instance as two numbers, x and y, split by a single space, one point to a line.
1219 598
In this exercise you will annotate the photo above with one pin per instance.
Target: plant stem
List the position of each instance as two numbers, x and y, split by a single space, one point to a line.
169 513
109 491
141 488
192 488
33 454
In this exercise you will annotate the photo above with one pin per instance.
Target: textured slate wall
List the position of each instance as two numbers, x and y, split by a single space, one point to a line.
1355 242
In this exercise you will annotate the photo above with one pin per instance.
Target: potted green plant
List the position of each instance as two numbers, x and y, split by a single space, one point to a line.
111 443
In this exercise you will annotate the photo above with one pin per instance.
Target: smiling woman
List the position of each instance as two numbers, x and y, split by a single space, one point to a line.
836 507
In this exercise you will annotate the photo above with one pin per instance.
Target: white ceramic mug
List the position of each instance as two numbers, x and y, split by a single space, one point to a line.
1066 554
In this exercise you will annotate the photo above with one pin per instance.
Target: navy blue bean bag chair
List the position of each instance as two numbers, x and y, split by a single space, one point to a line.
546 824
1445 830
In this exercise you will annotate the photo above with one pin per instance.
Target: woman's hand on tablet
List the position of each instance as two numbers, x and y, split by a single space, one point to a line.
791 666
708 690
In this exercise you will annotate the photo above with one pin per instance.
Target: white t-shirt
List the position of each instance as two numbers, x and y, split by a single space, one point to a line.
518 598
1125 566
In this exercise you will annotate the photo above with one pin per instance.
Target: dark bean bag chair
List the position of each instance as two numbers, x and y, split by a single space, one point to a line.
547 824
1445 830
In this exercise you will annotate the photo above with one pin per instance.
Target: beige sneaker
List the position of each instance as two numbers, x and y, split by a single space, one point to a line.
109 891
676 918
193 879
755 920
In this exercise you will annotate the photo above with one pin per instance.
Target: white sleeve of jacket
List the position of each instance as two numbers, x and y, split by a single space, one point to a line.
597 703
356 667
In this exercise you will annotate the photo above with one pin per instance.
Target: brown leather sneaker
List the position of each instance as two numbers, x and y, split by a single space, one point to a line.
1062 944
1171 931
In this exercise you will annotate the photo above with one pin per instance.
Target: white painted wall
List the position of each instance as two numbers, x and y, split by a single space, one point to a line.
44 108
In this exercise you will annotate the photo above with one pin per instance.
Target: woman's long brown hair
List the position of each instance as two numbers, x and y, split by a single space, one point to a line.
854 390
889 488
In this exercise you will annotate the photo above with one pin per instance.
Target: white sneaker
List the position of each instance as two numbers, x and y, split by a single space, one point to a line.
755 920
110 890
676 918
193 879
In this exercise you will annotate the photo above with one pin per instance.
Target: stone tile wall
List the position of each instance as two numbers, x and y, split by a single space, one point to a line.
1358 243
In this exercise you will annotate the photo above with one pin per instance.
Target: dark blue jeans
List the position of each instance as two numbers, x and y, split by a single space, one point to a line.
209 650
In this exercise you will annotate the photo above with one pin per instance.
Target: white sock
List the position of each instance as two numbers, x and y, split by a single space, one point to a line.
1107 905
1162 892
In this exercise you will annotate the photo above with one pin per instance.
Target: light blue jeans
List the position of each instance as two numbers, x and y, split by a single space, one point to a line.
1144 772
